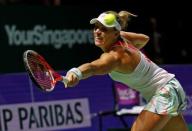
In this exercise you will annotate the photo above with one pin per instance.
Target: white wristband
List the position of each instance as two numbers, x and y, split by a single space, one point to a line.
77 72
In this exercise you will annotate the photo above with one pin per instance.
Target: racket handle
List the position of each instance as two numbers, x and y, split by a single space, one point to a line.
65 81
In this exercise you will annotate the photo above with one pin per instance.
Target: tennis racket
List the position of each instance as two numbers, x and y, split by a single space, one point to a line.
40 72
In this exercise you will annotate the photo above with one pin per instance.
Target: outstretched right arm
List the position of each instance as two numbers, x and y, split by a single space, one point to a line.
105 64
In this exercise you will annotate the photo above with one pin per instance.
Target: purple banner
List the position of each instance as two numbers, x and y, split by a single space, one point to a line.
21 102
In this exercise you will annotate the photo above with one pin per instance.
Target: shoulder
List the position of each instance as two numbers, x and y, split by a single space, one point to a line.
127 59
112 54
117 51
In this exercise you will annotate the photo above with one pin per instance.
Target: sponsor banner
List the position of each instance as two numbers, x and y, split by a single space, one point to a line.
24 107
52 115
63 114
126 96
41 35
56 33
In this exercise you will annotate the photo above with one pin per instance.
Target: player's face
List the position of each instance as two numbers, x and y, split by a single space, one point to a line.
103 36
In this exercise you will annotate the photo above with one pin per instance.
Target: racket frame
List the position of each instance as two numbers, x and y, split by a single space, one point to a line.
51 72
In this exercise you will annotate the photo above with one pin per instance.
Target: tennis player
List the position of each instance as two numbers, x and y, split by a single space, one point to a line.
127 64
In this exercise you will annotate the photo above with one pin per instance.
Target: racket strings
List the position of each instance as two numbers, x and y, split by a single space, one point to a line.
40 71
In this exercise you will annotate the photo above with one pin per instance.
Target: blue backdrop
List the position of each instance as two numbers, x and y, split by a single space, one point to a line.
17 92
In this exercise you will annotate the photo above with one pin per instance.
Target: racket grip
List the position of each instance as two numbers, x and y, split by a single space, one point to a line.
65 81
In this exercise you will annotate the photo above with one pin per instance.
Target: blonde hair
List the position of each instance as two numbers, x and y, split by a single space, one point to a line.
124 17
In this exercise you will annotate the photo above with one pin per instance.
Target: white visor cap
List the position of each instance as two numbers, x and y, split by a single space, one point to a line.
108 20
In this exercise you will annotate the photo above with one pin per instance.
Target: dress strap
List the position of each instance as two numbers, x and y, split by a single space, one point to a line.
124 44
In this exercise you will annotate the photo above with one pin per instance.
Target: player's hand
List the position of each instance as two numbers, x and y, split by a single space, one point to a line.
72 79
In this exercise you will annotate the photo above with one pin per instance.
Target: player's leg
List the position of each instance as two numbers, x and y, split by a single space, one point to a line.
176 124
149 121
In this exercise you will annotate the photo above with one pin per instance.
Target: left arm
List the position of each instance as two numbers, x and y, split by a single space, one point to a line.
137 39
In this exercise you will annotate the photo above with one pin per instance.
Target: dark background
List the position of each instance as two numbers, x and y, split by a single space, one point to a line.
169 19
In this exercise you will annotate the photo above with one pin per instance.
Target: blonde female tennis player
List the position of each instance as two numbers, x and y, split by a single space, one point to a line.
127 64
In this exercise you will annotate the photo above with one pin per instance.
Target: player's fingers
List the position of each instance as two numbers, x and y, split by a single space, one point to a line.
65 81
72 80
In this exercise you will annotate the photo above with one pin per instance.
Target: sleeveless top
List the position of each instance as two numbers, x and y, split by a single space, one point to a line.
146 78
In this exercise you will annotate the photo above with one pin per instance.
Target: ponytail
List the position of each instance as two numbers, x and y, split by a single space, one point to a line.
124 17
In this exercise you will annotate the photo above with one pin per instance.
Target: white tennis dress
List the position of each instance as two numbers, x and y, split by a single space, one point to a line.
146 78
161 90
